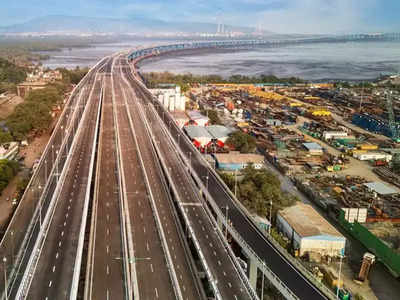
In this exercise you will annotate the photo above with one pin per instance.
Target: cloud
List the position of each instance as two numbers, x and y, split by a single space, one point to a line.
319 16
285 16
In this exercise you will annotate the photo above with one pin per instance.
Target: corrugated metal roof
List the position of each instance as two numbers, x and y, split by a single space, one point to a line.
307 222
380 188
197 132
218 131
312 146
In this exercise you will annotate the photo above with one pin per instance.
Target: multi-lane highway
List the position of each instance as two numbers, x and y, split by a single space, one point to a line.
157 206
112 211
54 274
106 278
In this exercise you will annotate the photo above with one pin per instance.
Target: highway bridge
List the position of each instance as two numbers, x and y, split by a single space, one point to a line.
99 219
122 206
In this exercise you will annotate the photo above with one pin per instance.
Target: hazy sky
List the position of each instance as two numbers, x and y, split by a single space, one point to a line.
286 16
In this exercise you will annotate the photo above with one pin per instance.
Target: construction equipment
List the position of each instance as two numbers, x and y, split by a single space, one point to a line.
392 120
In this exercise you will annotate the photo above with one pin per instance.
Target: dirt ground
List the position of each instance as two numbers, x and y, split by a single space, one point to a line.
347 275
34 150
8 104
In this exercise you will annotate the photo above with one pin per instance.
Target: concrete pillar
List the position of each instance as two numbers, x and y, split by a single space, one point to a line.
253 273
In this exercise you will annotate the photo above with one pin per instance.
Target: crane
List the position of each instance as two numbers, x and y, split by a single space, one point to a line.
392 120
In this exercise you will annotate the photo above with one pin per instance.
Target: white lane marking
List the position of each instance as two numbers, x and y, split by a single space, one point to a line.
50 283
230 285
151 267
108 270
147 246
144 229
56 255
54 268
155 289
59 244
62 233
108 249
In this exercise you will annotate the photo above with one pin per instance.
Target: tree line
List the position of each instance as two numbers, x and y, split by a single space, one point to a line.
153 79
34 114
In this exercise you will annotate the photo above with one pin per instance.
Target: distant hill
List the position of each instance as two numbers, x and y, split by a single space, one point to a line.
69 24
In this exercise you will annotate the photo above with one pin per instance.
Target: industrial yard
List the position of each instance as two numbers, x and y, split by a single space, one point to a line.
320 137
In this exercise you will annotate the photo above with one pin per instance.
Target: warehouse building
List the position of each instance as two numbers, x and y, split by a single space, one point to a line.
313 148
170 97
219 133
198 135
235 160
309 232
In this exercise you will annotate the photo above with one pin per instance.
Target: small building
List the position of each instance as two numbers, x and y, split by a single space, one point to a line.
309 232
235 160
327 135
170 96
196 118
380 188
24 88
313 148
198 135
372 156
219 134
273 122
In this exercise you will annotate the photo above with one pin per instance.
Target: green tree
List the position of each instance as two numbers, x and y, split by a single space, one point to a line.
241 141
8 169
5 137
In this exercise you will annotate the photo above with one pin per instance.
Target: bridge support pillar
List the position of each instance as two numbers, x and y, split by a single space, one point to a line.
253 273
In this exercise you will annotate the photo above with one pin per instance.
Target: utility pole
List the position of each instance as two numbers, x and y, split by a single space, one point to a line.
340 271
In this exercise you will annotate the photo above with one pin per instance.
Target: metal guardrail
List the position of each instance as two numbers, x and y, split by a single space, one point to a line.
34 258
160 229
78 258
32 222
232 256
124 212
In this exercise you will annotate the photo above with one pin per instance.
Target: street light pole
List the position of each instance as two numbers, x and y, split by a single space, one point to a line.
235 182
12 246
270 217
340 271
226 222
40 207
5 277
262 282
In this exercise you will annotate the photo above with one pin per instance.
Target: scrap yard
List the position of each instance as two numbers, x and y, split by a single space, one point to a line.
317 137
